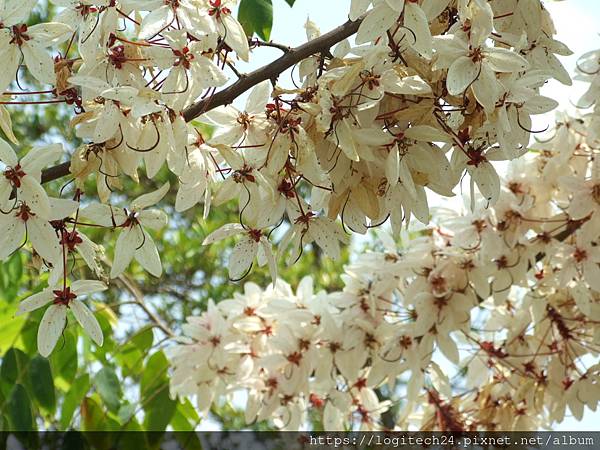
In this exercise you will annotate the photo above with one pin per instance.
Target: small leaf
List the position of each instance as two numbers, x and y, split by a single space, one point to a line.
13 365
19 410
185 417
154 374
154 392
42 383
109 387
290 2
256 16
160 409
73 399
95 419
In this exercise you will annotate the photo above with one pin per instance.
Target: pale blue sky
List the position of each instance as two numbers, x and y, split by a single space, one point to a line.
577 23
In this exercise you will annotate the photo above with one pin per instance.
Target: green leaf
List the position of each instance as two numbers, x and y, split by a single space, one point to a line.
19 410
133 352
256 16
185 417
160 409
73 399
42 383
10 327
154 374
109 388
14 364
154 393
64 358
11 273
95 419
290 2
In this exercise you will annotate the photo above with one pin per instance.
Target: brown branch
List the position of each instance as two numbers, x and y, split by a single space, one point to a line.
271 71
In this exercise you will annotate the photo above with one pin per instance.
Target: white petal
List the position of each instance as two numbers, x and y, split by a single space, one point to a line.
258 97
43 239
426 133
448 348
241 258
268 252
235 37
224 232
86 287
47 34
16 11
358 8
154 22
416 20
104 215
487 181
39 62
461 75
152 198
32 193
51 327
61 208
322 232
504 60
207 74
39 157
10 57
378 21
7 154
107 124
154 219
13 234
148 257
127 242
87 320
35 301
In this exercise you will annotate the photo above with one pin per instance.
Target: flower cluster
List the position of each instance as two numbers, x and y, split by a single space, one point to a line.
428 91
487 320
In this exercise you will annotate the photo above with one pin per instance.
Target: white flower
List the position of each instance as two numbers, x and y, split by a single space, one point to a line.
133 241
24 222
248 126
253 243
17 38
24 175
55 318
190 72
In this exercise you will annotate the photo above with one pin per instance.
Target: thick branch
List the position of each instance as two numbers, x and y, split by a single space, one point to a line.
271 71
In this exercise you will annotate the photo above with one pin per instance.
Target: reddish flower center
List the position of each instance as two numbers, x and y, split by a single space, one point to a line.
580 255
64 296
19 33
116 56
132 219
217 10
14 175
85 10
295 358
71 240
24 213
255 235
184 57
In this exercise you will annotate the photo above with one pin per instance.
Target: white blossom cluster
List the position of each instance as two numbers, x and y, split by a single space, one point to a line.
428 91
508 296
